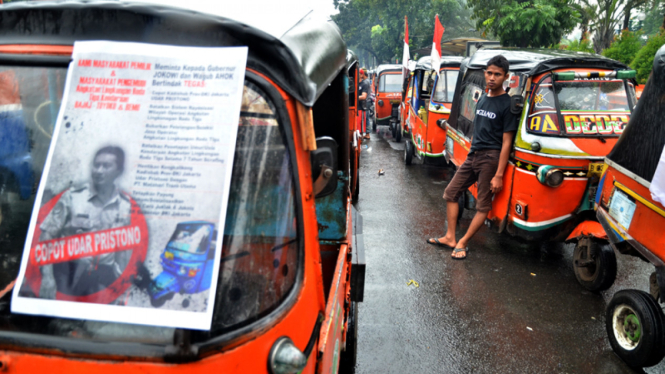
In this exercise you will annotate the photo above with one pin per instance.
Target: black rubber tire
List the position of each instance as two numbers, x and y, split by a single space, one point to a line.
398 132
650 346
601 275
393 129
408 152
347 360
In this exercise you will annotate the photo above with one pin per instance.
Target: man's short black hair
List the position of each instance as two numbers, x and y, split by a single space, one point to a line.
500 62
117 152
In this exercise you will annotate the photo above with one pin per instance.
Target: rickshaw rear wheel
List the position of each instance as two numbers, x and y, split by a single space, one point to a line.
595 265
347 360
635 325
398 132
408 152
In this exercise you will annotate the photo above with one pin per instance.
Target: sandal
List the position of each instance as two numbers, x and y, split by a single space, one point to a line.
457 250
435 241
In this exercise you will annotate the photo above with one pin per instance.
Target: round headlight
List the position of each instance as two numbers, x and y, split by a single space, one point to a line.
549 176
535 146
380 102
286 358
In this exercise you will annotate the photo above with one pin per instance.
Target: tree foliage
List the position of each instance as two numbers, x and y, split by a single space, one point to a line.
643 61
625 47
525 23
377 26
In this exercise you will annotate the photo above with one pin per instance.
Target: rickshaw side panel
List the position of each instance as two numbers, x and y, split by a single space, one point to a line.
645 217
331 337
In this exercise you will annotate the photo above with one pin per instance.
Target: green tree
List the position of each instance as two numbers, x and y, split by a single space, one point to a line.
643 61
358 20
625 47
583 45
653 20
605 22
525 23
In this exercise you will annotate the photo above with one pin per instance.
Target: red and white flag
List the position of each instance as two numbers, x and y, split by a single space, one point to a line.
436 44
405 56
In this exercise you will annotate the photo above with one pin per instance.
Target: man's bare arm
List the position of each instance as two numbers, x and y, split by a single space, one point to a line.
506 145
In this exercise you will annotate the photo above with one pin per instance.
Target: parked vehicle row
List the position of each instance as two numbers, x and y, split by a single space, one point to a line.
577 172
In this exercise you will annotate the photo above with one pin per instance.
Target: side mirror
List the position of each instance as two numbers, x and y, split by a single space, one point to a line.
516 104
324 166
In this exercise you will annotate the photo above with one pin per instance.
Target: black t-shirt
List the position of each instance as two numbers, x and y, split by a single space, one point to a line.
363 88
493 118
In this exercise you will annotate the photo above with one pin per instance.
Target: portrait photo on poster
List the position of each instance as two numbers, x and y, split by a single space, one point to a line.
135 187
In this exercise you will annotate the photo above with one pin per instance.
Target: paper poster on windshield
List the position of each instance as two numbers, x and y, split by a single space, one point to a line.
129 216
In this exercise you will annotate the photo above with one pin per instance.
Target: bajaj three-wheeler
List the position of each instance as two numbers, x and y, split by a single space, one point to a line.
634 222
388 89
430 98
355 138
292 269
572 109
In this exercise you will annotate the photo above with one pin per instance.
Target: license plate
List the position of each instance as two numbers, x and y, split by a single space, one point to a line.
622 208
595 169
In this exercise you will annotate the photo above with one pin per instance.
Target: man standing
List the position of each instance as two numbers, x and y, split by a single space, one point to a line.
92 207
363 92
494 127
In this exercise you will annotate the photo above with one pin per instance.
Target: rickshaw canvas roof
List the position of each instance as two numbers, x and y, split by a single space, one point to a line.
425 63
388 67
302 61
639 148
537 61
351 58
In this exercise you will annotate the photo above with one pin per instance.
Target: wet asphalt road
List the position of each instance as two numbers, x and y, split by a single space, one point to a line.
510 307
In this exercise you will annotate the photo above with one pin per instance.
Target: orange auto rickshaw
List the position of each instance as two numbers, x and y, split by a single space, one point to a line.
573 107
430 97
630 208
352 67
388 89
285 308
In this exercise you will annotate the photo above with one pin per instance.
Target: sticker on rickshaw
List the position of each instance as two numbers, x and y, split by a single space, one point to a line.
622 208
607 123
543 123
135 187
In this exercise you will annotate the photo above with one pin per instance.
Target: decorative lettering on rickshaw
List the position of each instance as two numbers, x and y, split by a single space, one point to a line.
595 124
544 123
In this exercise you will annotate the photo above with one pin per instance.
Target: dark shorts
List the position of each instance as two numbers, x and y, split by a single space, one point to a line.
479 166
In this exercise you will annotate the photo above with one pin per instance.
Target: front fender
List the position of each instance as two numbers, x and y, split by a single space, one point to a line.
587 228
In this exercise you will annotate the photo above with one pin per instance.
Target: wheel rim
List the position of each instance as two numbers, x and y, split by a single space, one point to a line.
626 327
590 272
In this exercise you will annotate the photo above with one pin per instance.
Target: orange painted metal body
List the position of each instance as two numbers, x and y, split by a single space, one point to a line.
247 353
385 101
354 134
528 208
649 214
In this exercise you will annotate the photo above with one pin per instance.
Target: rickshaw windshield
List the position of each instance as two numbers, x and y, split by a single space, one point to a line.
445 86
390 83
260 244
588 107
592 95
